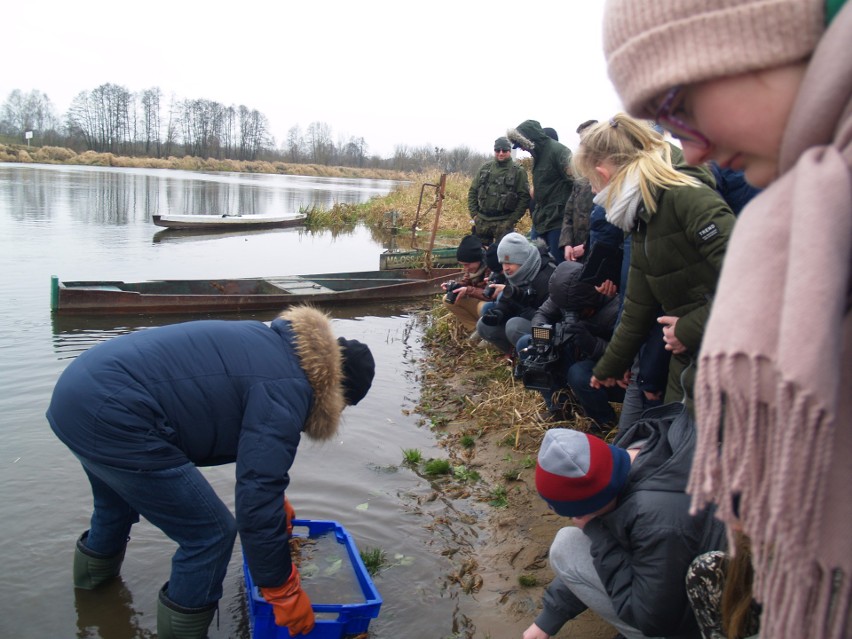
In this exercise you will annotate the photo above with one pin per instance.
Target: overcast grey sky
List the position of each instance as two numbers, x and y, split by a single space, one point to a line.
443 73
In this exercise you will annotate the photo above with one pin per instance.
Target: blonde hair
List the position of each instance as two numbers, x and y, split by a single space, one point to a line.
632 147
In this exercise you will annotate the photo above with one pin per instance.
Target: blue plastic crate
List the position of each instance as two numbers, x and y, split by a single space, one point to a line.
351 618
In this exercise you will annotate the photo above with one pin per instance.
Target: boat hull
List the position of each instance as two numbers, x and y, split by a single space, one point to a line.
444 257
210 222
252 294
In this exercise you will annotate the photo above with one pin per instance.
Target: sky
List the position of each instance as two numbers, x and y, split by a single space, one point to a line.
439 73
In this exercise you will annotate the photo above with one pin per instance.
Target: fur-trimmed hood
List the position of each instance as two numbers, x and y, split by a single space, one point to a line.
321 359
527 134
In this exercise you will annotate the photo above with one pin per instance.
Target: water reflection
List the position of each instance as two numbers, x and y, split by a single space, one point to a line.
108 613
194 235
73 334
110 196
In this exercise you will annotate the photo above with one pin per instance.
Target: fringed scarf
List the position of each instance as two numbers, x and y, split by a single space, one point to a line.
774 382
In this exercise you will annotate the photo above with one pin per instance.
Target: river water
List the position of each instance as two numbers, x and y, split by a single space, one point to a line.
84 223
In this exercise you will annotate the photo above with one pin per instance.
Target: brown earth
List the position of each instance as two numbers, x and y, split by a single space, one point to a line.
496 530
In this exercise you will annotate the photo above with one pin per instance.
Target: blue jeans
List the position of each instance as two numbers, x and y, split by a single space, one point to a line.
551 238
594 401
181 503
576 376
504 336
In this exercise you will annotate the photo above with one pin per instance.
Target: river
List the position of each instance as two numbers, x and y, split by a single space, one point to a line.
95 223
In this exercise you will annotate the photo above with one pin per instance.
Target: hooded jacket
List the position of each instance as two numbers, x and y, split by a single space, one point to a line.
571 300
210 392
675 259
551 175
524 301
642 549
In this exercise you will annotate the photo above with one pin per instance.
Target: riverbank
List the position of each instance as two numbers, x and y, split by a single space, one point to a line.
493 524
61 155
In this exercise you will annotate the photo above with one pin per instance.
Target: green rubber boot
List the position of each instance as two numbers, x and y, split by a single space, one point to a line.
177 622
91 568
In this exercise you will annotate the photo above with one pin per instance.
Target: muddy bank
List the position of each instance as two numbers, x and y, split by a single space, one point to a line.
485 513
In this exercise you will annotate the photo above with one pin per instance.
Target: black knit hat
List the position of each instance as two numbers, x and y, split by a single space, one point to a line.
492 260
359 367
470 249
502 143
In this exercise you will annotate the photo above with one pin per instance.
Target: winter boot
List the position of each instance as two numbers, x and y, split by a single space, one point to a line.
177 622
91 568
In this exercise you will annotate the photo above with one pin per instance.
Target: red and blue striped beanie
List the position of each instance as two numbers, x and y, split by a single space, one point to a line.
578 474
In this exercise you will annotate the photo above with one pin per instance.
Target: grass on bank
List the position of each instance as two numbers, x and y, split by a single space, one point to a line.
399 209
471 388
62 155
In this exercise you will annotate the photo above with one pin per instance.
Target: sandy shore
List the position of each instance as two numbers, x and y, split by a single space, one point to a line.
495 529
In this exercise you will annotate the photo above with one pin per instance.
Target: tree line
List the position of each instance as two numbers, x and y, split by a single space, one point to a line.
112 119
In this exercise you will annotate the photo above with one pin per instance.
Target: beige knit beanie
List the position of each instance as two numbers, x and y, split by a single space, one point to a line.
653 45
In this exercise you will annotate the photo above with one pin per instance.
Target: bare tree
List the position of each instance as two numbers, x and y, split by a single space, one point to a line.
295 144
150 124
355 152
459 159
24 112
319 142
201 123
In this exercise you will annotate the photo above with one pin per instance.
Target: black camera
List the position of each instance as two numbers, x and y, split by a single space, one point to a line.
538 364
452 291
488 292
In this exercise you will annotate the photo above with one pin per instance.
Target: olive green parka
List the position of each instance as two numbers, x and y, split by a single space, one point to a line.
675 261
551 174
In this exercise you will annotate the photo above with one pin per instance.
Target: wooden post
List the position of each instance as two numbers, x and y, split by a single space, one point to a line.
442 187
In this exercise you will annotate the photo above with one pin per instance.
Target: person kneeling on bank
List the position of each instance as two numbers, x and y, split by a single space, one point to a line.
633 539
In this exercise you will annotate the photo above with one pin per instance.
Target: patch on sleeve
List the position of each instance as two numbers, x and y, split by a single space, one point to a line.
708 232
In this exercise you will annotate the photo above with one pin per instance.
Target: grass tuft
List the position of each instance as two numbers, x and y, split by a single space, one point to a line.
411 456
374 560
437 467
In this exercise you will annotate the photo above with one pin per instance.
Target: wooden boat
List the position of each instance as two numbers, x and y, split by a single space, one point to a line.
221 295
442 257
229 221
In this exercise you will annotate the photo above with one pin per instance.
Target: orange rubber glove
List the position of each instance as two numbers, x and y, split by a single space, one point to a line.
290 514
291 605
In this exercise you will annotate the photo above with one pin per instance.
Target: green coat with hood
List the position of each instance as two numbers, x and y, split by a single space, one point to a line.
676 256
551 174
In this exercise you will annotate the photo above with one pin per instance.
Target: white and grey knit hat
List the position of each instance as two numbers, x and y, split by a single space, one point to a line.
653 45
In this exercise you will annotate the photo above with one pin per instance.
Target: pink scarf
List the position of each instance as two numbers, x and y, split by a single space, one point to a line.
775 375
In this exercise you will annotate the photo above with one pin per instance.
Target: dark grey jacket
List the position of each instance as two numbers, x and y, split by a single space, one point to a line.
642 549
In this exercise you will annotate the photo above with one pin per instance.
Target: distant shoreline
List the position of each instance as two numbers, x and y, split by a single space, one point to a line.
61 155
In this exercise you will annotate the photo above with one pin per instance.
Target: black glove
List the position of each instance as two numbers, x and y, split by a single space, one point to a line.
583 340
492 317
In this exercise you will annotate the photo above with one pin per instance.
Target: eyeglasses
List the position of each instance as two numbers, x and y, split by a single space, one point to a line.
678 128
502 150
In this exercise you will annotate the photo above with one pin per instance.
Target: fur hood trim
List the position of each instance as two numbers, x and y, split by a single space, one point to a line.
519 139
321 360
526 134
